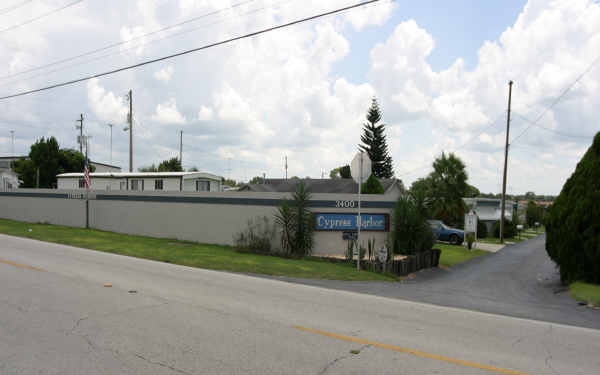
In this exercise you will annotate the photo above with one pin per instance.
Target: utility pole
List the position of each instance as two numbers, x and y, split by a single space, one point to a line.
181 148
80 127
12 137
286 167
111 126
505 164
130 131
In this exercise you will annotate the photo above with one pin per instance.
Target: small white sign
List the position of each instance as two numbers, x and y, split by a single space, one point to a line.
470 223
382 254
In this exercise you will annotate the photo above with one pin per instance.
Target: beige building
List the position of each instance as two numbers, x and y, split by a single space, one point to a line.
142 181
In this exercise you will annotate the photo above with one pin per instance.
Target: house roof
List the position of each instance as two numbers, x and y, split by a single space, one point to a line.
334 185
185 175
104 165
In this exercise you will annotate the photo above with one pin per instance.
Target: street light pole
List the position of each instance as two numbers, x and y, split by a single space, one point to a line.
111 126
12 137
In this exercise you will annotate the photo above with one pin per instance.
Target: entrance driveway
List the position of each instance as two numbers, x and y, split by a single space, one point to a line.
520 280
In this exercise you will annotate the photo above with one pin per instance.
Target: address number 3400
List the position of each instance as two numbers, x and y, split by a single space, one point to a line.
345 204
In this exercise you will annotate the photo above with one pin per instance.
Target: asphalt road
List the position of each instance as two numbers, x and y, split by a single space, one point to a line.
56 317
520 280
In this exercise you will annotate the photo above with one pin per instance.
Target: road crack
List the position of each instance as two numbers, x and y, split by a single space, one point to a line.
340 358
548 354
162 364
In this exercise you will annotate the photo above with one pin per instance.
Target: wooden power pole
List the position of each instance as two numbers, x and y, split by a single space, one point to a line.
505 164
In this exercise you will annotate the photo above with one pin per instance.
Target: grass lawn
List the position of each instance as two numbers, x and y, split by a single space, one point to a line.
452 254
589 293
192 254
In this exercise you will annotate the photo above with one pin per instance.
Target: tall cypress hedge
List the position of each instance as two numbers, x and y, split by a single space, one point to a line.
573 221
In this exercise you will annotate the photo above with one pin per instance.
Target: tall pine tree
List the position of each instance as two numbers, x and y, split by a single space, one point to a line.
375 145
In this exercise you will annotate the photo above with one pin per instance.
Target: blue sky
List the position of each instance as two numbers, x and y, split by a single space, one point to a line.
459 29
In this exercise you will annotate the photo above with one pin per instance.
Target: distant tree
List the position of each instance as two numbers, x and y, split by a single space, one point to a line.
375 144
573 221
533 214
228 182
170 165
49 159
345 172
340 172
530 196
256 180
448 188
193 169
334 173
151 168
371 186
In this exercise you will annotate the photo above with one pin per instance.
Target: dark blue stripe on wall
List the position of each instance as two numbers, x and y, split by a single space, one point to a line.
234 201
33 195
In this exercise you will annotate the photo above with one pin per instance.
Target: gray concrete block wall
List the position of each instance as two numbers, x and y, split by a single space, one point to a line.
43 208
209 218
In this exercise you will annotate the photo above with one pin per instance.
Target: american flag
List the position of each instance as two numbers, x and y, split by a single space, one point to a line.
86 175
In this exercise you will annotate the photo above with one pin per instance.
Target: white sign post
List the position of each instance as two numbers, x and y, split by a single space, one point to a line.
360 168
471 224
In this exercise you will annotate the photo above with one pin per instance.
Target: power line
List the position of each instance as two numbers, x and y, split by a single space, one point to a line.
425 166
226 41
126 41
14 7
116 52
552 130
41 16
559 98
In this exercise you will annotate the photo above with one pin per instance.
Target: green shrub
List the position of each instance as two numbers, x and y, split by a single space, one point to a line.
482 231
371 186
510 229
573 221
284 218
257 236
412 232
350 250
470 239
296 223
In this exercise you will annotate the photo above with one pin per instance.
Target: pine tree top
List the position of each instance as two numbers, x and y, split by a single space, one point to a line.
374 113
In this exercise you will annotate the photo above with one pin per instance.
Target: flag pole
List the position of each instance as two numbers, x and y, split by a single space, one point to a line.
86 173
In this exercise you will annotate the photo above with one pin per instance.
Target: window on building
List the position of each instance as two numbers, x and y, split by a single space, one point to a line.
81 183
137 185
158 184
202 185
123 185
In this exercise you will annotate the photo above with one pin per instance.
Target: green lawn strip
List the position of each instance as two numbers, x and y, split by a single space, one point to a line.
589 293
452 254
215 257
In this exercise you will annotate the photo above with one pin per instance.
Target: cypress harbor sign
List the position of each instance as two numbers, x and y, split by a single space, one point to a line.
347 222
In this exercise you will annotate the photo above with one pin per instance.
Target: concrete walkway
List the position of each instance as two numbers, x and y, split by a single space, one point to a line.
491 247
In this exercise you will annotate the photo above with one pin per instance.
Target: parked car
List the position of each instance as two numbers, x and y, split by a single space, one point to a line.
442 232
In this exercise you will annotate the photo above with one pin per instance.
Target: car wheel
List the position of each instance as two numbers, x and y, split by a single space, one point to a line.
454 239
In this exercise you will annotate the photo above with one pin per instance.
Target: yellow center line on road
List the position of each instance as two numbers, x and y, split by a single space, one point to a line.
413 352
23 266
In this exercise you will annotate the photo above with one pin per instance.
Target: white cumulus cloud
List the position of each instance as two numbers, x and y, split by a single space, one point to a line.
165 74
167 113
